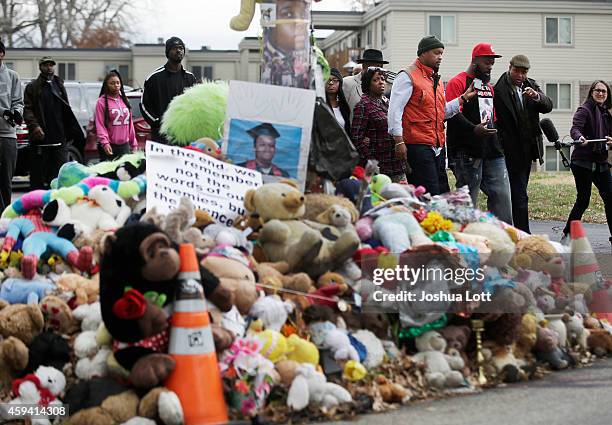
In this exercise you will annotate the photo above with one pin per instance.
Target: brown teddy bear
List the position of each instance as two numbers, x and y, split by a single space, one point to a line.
392 392
457 338
307 246
318 203
13 359
58 316
276 275
85 290
526 340
21 321
600 342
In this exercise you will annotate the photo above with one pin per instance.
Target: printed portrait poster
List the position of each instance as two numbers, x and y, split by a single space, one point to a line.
286 43
485 100
268 129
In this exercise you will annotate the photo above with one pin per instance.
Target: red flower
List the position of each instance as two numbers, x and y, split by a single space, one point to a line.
131 306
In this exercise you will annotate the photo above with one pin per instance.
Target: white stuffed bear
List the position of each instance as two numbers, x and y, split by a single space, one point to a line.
272 311
375 349
44 386
101 209
340 345
399 231
92 345
442 369
310 386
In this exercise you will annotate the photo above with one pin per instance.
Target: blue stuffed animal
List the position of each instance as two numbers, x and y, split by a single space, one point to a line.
21 291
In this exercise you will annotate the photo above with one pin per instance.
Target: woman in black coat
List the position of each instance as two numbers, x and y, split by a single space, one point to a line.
334 96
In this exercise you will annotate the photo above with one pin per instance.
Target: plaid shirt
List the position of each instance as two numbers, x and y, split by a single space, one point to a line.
370 122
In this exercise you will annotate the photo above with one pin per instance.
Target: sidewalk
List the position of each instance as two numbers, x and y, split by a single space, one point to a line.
598 234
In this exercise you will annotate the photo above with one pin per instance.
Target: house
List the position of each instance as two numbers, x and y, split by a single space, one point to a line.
568 42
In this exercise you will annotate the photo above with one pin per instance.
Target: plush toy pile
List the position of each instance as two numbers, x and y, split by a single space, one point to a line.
89 276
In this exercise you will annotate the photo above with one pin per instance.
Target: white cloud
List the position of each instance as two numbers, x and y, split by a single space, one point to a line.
204 22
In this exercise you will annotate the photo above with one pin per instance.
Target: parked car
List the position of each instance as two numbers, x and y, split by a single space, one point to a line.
82 97
142 128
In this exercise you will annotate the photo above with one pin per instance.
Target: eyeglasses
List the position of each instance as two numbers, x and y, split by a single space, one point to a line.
600 91
332 81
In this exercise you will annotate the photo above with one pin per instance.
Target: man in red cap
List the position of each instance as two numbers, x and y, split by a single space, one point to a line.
474 151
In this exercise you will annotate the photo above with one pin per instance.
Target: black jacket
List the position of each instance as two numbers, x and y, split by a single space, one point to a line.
34 116
460 135
158 94
519 130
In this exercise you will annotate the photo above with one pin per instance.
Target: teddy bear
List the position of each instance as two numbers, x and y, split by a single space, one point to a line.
319 206
272 311
442 370
138 278
102 208
21 321
547 349
43 387
13 360
501 358
375 351
127 408
81 289
392 392
275 275
307 246
577 334
311 387
501 246
48 349
600 342
526 340
58 316
457 338
301 350
398 230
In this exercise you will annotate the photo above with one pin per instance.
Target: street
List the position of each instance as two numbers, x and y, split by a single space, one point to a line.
579 396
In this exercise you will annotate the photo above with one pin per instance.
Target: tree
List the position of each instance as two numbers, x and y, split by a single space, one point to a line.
14 20
105 37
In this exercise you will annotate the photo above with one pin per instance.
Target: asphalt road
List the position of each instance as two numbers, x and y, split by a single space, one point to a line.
579 396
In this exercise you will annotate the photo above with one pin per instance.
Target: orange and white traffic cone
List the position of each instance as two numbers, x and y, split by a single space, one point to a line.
585 267
196 378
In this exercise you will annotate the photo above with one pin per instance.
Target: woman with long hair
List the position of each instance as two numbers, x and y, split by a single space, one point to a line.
369 129
334 96
590 163
113 119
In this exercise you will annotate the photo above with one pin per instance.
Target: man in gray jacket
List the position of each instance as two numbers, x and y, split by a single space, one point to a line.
11 109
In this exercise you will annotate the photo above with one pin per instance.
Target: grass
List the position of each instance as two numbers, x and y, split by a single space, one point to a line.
551 197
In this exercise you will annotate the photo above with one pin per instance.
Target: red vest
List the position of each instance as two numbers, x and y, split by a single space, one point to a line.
423 117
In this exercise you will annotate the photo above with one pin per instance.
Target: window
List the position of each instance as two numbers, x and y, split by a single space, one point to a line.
559 31
560 94
67 71
383 32
197 72
443 27
207 73
124 70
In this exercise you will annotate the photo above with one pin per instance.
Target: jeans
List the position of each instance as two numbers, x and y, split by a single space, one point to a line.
45 162
428 170
584 178
118 150
519 179
8 162
491 176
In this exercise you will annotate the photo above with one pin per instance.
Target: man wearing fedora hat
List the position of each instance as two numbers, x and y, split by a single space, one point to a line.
351 85
518 102
475 154
417 112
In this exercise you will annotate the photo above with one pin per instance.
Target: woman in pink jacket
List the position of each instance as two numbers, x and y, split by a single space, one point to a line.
114 123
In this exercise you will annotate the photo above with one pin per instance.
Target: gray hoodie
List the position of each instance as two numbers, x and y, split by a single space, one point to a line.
11 97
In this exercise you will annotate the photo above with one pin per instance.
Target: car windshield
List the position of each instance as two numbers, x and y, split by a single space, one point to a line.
135 104
74 97
92 97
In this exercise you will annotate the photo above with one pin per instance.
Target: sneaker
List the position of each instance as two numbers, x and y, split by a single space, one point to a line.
565 240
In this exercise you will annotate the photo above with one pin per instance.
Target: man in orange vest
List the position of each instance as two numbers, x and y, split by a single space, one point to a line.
416 116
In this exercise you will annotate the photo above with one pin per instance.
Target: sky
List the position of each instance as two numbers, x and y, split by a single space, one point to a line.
205 22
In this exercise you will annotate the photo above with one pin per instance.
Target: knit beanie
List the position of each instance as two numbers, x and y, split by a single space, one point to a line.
173 41
429 43
336 73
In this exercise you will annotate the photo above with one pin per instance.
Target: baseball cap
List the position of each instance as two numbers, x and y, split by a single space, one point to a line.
484 49
46 59
520 61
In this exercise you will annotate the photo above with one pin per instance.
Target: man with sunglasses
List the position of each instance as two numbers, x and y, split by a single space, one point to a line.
416 116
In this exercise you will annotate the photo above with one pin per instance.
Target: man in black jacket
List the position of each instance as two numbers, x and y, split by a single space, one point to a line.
51 123
163 85
518 104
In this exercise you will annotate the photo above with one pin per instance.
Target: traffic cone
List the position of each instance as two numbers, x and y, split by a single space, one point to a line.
585 268
196 378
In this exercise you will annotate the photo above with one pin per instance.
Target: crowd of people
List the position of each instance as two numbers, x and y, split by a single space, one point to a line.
489 135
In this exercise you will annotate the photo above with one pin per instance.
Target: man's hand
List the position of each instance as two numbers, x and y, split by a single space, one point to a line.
400 148
531 93
8 116
482 131
38 133
470 93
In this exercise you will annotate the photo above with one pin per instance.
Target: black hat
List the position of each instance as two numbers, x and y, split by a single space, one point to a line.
173 41
336 73
372 56
265 129
429 43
